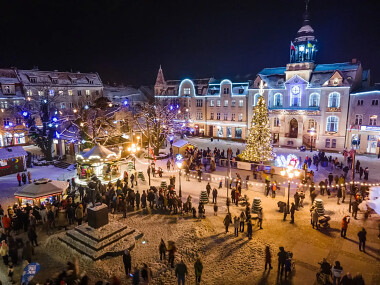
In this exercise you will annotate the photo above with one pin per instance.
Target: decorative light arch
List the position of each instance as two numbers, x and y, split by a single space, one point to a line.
185 81
255 98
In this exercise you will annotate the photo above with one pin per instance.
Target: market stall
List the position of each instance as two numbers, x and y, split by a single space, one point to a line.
40 191
12 160
180 147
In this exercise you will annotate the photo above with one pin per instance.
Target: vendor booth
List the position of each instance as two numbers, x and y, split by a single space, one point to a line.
98 161
180 147
12 160
40 191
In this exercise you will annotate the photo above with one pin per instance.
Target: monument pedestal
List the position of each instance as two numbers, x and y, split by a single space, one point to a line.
97 216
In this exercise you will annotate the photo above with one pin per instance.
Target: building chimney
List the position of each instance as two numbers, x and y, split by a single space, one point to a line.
353 61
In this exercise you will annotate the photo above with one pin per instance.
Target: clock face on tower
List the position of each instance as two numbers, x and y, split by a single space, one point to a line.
295 89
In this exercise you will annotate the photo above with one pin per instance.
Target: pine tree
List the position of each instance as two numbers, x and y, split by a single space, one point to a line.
258 146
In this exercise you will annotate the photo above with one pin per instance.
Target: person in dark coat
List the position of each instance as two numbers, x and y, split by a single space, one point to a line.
172 250
214 195
292 211
137 198
19 179
136 276
198 268
143 200
32 236
282 255
361 171
162 249
249 229
23 177
181 272
362 238
268 258
355 208
208 189
127 260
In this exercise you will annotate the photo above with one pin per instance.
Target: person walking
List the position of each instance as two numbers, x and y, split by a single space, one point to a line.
215 209
292 211
345 222
249 229
337 273
314 217
282 255
162 249
127 261
355 208
172 249
260 216
268 258
198 268
227 221
236 225
181 272
331 178
242 219
361 172
214 195
19 178
362 238
339 194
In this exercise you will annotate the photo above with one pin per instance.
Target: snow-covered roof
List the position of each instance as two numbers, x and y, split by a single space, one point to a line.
180 143
99 151
10 152
42 188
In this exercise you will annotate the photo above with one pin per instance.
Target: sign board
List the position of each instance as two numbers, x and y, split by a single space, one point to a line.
243 165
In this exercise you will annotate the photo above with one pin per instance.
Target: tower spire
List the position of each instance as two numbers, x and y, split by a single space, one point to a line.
306 16
160 80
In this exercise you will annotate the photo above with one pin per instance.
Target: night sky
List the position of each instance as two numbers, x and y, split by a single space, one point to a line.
126 41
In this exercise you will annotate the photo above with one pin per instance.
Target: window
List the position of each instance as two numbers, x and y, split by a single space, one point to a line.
41 93
295 99
217 103
232 117
88 92
186 91
7 89
29 92
212 103
97 92
226 90
334 100
63 105
6 121
54 80
73 81
19 138
333 143
241 103
233 103
90 81
218 116
314 100
238 133
311 124
255 99
327 143
71 105
60 92
70 92
18 121
276 122
211 116
16 103
225 117
51 92
358 119
372 120
79 92
88 103
332 124
4 104
360 102
375 102
225 103
277 100
241 90
240 117
199 102
33 79
199 115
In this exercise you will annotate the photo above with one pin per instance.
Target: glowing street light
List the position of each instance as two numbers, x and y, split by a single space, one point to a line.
133 149
290 172
312 133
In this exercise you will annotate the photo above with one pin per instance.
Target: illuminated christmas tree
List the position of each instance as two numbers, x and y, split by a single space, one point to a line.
258 146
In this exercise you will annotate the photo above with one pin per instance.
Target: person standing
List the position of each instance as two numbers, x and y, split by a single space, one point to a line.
249 229
355 208
268 258
19 179
127 261
208 189
345 222
162 249
29 177
242 219
32 236
4 252
198 268
236 225
339 194
314 217
27 252
331 178
227 221
366 173
281 260
180 272
337 273
23 177
214 195
135 276
260 217
292 211
172 249
362 238
79 214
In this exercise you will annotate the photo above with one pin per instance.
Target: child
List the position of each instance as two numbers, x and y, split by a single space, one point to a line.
215 209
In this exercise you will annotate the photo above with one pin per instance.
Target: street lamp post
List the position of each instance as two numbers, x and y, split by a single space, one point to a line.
312 133
290 172
179 165
133 149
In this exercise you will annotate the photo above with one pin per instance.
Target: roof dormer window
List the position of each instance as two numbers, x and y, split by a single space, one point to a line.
336 81
90 81
33 79
73 80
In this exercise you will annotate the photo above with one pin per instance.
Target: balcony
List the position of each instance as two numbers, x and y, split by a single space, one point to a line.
309 108
333 109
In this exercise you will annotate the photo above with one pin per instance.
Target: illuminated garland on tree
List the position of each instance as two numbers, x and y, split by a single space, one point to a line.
258 146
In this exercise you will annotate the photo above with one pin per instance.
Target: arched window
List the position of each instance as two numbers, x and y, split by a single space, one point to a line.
314 100
277 100
312 124
332 124
334 100
255 99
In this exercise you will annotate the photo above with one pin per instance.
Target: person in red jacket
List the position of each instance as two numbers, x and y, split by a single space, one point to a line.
7 224
19 179
345 222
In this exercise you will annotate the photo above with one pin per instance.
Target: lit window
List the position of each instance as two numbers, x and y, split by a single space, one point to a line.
372 120
218 116
225 116
240 117
29 92
312 124
199 102
70 92
241 103
358 119
211 116
255 99
332 124
60 92
232 117
277 100
233 103
314 100
41 93
217 103
51 92
71 105
88 93
238 132
276 122
186 91
226 90
334 100
63 105
225 103
212 103
7 89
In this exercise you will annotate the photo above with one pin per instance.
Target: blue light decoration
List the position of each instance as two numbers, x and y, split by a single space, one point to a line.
50 125
55 119
83 141
125 103
45 101
57 135
56 112
178 157
72 141
11 124
86 107
25 114
177 106
7 127
171 107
